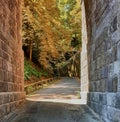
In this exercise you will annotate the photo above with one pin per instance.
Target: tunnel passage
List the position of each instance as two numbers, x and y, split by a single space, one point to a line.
11 57
100 57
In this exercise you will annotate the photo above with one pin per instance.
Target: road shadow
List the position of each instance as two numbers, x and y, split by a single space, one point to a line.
54 112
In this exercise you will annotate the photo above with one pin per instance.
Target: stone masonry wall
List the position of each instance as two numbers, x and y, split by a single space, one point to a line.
11 56
103 52
84 58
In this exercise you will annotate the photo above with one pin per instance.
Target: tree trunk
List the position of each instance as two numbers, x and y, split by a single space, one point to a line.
30 51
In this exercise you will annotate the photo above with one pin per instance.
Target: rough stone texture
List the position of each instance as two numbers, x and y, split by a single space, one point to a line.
103 53
11 56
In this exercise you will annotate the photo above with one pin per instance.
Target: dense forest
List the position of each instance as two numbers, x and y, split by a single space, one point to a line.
51 32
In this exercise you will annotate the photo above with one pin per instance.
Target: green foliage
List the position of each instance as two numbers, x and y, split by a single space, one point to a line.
30 71
71 16
66 7
30 89
75 42
42 30
64 64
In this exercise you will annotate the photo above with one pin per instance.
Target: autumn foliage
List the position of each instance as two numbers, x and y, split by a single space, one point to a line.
46 36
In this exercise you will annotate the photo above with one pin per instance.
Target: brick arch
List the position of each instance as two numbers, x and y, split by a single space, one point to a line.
11 56
100 59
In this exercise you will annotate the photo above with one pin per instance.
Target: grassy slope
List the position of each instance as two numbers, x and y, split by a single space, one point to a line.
32 73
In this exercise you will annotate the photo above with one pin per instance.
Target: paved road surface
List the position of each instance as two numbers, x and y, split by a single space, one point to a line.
57 103
66 90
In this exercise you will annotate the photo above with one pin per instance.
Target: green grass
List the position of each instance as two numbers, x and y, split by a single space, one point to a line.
30 70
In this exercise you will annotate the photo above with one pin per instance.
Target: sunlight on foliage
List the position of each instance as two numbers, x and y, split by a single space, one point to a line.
49 28
30 71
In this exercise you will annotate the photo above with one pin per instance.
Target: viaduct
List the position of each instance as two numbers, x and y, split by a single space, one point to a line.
100 57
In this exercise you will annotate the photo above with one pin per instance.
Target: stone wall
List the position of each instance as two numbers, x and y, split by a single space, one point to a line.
84 58
103 53
11 56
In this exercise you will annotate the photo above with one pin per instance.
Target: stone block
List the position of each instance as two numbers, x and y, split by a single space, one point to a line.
104 111
115 84
1 75
13 106
1 99
11 97
103 85
2 110
110 70
5 56
113 100
3 87
117 101
113 114
114 23
10 77
114 53
103 99
6 98
10 87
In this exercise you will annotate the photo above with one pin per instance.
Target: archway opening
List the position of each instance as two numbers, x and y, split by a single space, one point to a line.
51 41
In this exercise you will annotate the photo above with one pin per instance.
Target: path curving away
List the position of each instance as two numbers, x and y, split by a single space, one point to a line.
67 90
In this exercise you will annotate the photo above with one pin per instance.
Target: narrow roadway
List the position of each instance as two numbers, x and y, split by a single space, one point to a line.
57 103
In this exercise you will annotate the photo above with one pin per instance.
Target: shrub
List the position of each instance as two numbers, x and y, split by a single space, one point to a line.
30 70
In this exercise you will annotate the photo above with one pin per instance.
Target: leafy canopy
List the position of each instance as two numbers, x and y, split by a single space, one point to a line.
49 28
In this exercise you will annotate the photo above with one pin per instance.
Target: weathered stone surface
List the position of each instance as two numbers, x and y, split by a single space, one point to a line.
9 102
11 56
113 114
103 51
2 111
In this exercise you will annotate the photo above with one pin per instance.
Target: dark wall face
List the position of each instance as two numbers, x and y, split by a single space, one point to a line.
11 56
103 26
